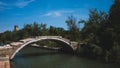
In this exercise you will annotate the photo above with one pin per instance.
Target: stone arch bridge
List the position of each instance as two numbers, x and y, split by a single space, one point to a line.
17 46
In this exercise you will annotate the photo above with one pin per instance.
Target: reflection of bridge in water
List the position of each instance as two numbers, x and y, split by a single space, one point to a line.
15 49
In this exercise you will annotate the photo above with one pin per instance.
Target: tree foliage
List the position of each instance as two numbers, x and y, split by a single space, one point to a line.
73 28
114 19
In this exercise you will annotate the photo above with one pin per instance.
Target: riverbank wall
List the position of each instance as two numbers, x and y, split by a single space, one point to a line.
4 62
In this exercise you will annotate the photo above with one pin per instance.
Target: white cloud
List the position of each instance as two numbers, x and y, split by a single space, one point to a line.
77 13
2 3
57 13
66 11
17 3
3 6
23 3
47 14
53 14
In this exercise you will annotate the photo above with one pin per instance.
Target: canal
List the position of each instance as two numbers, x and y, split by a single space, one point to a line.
31 57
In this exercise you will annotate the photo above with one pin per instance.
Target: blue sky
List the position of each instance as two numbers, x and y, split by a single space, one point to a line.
51 12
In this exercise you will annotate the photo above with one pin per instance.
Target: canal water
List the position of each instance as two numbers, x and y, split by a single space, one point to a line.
31 57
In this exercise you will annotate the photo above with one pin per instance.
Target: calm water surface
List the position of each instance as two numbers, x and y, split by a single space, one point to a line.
30 57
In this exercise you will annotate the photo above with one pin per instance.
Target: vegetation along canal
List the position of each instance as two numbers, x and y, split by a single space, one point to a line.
31 57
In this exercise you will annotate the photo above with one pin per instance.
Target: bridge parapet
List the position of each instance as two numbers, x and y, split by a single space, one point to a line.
48 37
52 37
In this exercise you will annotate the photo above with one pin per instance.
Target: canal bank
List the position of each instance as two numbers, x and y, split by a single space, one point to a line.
4 62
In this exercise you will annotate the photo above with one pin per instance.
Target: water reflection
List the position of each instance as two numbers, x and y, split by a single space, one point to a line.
30 57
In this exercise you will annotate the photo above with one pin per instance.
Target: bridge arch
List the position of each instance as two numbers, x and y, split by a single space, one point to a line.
57 38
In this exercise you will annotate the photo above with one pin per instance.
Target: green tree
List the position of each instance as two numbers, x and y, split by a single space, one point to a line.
73 28
43 29
52 30
60 31
115 20
92 26
36 29
6 36
97 31
27 30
